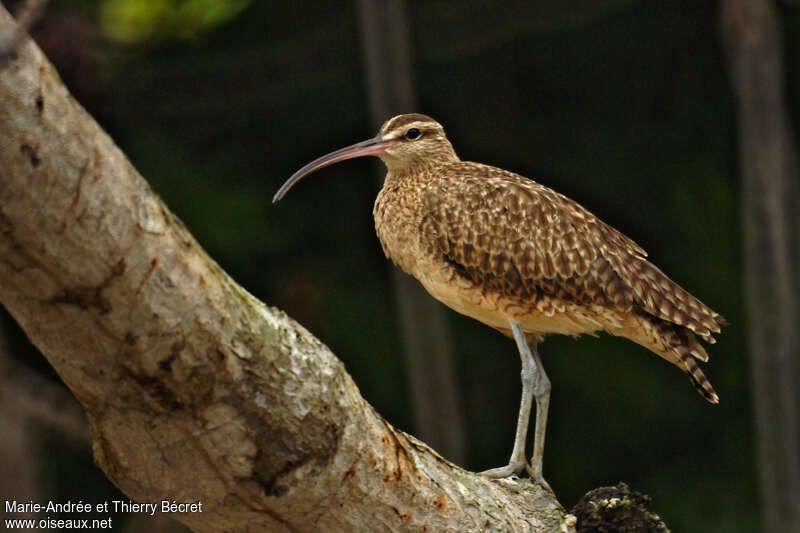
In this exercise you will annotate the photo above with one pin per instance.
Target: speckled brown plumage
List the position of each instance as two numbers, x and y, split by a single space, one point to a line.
522 259
493 244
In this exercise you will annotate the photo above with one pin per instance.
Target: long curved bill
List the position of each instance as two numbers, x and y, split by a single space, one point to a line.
374 146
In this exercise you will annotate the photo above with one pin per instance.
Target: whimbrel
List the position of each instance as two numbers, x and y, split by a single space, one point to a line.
524 260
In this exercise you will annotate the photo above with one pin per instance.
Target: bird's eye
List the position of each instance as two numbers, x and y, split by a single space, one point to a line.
413 134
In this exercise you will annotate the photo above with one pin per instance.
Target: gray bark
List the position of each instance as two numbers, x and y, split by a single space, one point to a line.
193 389
771 246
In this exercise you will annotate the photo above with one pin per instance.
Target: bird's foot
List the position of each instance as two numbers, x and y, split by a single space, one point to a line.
514 467
537 478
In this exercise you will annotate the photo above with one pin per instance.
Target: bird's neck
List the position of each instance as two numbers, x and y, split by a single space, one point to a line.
415 173
437 155
409 178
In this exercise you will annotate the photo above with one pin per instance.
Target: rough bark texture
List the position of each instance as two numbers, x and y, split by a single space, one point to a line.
194 390
771 249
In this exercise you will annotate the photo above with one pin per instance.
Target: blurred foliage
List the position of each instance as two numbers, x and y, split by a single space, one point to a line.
623 105
136 21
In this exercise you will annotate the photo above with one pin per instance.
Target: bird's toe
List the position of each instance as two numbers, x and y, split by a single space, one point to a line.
537 478
514 467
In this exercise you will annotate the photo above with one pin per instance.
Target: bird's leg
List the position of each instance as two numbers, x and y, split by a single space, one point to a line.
529 380
541 392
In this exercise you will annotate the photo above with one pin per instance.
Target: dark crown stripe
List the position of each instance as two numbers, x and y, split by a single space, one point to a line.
403 120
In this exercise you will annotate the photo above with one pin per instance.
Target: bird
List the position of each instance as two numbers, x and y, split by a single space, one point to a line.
523 259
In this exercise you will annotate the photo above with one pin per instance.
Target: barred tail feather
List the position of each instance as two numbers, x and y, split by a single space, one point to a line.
698 379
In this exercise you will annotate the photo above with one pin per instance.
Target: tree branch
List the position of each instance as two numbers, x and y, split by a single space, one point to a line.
194 390
27 15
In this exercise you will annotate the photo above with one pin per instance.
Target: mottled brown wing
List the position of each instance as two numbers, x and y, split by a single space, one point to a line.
511 233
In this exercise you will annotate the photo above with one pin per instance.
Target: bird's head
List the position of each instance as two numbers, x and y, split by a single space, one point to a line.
404 143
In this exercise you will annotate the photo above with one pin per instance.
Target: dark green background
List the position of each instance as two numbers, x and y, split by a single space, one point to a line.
624 106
